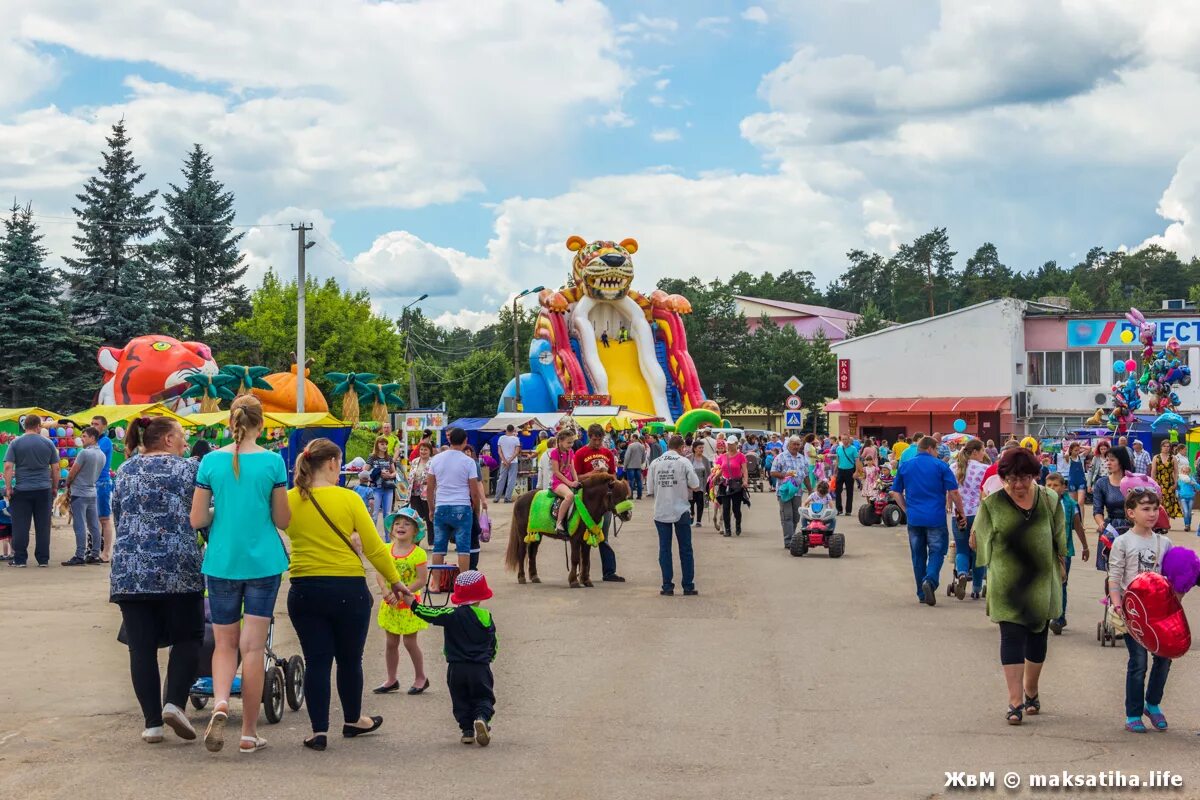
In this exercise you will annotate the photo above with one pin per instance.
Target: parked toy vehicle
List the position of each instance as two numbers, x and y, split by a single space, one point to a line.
882 508
817 523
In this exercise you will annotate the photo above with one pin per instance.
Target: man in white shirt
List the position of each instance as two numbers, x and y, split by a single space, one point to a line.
508 448
454 497
672 481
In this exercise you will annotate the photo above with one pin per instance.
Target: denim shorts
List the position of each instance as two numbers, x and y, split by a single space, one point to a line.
104 491
452 522
229 600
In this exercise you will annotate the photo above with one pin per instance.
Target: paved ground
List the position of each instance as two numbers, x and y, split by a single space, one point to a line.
787 677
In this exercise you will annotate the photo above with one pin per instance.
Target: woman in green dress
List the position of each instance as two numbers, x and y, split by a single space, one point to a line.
1020 536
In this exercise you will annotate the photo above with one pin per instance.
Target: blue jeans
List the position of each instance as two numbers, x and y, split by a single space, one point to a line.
506 480
634 476
928 544
964 556
86 521
452 522
1139 694
683 534
1186 502
608 557
228 600
383 504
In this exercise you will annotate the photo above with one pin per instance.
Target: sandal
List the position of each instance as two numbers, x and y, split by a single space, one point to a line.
1033 706
1159 720
1014 715
256 743
214 734
1135 726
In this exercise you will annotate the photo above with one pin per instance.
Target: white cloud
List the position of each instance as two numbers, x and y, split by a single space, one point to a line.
1180 204
394 105
471 320
714 24
616 118
648 29
665 135
755 14
661 84
26 72
656 100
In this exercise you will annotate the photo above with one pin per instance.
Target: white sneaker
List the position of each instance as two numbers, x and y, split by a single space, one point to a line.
152 735
176 720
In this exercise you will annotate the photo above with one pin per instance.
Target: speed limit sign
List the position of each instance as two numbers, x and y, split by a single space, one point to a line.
793 403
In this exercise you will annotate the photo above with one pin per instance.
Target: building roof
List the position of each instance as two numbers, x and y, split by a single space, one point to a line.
801 308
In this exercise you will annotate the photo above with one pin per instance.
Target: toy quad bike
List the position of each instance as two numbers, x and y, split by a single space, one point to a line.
881 509
817 530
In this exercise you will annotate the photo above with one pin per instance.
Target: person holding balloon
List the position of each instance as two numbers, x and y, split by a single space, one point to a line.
1139 550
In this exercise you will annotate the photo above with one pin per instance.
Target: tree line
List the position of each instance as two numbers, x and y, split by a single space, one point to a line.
170 263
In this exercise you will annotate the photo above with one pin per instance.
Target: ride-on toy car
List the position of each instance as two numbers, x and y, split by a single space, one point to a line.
881 509
817 530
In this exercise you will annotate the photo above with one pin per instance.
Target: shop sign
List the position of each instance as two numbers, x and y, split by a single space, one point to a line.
843 374
433 420
1107 332
852 423
566 402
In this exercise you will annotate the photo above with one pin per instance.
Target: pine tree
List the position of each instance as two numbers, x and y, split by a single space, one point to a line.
200 248
117 293
41 356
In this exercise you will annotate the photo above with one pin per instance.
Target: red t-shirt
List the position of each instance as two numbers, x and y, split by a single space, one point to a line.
589 459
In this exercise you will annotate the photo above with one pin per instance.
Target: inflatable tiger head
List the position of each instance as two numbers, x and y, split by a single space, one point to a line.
153 369
603 269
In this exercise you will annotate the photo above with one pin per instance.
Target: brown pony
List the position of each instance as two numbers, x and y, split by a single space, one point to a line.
601 493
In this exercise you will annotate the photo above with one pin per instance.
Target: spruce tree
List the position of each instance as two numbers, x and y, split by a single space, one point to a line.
41 357
200 249
117 292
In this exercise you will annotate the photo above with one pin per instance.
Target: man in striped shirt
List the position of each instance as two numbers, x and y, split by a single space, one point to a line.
791 465
1141 459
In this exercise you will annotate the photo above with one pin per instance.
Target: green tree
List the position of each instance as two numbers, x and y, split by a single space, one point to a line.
116 291
472 385
200 248
870 321
343 333
1080 299
44 360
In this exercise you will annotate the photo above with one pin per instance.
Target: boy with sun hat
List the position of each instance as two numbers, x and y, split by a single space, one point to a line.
470 650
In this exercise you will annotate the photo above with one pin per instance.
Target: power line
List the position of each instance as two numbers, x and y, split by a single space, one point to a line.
464 378
56 220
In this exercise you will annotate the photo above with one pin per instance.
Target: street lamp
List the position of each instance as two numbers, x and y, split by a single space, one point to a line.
516 345
412 375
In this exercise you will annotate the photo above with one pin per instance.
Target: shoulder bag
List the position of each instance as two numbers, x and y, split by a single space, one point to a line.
345 539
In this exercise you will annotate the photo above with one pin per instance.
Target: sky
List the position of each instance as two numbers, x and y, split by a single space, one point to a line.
450 147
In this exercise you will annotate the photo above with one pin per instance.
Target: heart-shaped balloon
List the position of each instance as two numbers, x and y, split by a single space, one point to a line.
1154 616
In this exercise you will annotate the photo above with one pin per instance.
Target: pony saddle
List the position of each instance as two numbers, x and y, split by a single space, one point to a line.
543 513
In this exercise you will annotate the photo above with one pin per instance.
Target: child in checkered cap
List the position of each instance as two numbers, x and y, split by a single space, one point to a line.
470 650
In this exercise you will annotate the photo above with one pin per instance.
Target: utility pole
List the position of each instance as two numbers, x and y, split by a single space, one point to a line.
413 405
301 382
517 345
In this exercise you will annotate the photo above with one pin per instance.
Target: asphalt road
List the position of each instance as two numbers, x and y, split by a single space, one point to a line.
786 677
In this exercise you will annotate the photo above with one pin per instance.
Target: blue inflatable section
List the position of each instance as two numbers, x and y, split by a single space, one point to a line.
540 389
674 397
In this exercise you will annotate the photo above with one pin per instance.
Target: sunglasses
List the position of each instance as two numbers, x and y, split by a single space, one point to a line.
1138 490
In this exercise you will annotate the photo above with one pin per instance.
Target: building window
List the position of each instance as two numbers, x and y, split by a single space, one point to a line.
1070 368
1125 355
1037 363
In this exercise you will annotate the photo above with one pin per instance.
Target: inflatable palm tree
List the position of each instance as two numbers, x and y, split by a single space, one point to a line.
248 377
351 386
381 396
211 389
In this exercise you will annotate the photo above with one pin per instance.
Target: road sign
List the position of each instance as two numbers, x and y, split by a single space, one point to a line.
793 403
793 419
793 385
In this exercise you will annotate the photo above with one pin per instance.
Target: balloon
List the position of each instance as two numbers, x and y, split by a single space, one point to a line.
1126 336
62 473
79 441
1154 616
1181 567
62 452
960 426
1119 367
62 462
1131 365
72 452
1030 443
120 433
61 431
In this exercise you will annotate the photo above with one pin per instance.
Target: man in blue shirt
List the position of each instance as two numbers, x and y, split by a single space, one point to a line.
921 487
104 487
847 465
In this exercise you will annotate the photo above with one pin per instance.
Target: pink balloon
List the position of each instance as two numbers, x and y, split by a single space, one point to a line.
1131 365
1154 616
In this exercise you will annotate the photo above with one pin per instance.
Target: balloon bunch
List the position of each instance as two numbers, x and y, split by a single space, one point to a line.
1126 398
1160 377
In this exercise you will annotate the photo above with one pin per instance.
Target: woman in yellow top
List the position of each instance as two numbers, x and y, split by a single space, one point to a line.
329 601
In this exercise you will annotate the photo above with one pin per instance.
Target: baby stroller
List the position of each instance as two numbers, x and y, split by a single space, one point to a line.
754 472
284 678
1111 627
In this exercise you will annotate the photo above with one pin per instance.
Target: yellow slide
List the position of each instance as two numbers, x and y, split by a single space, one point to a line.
625 382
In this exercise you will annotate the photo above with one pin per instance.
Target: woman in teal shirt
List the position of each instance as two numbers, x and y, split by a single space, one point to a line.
241 497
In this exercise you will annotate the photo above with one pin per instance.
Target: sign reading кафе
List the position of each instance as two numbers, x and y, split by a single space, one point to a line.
1107 332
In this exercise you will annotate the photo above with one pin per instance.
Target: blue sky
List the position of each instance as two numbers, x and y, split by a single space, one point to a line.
446 147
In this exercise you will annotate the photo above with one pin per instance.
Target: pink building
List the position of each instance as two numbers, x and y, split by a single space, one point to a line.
806 319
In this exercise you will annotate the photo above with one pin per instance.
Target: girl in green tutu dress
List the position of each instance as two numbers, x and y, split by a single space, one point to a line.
407 529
